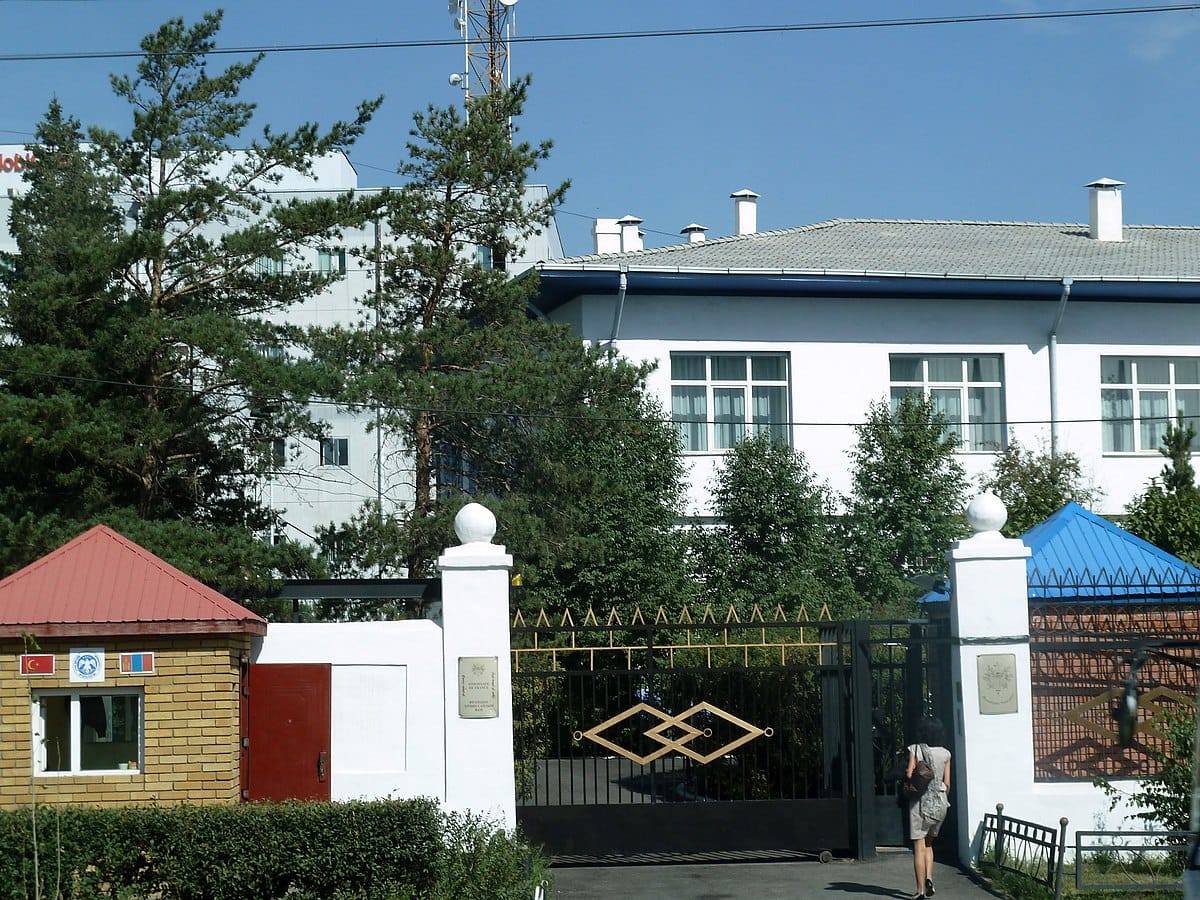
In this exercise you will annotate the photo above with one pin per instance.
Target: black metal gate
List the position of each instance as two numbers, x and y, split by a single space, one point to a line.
726 736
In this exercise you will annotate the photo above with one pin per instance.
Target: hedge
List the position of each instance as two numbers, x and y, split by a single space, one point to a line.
381 850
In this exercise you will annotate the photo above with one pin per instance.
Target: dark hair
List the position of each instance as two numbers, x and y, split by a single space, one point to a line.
930 731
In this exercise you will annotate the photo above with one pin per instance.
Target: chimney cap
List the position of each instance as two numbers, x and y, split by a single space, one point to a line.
744 193
630 220
689 229
1105 183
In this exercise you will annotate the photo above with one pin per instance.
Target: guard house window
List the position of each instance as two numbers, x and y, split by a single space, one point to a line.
331 261
967 390
1141 395
719 398
82 732
335 452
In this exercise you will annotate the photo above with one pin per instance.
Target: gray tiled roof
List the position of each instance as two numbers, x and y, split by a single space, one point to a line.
988 249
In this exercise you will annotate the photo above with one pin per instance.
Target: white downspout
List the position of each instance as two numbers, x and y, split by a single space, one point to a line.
616 325
1053 348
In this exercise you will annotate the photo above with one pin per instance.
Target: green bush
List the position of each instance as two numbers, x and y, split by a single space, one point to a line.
383 850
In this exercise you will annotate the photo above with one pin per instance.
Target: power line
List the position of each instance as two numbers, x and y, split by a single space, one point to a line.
725 30
351 406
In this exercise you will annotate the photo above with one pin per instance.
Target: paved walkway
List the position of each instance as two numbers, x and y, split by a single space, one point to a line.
890 874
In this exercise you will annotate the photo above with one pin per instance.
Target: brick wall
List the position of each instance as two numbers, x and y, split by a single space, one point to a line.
190 723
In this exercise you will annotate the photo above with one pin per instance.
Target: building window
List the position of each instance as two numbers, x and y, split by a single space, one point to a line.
82 732
1141 395
278 453
967 390
331 261
718 398
335 451
268 265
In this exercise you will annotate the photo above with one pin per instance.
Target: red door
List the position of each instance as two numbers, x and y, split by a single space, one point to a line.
289 732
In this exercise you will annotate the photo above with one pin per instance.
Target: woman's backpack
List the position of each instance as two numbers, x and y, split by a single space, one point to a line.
922 774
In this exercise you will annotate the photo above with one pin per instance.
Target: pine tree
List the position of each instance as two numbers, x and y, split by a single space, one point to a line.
1167 512
493 402
139 390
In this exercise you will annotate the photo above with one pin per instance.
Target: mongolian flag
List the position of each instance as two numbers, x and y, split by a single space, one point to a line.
137 663
37 663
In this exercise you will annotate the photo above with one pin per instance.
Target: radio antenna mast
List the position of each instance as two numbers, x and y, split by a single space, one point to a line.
486 27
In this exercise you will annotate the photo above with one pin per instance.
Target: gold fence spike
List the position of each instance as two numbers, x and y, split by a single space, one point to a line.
543 620
660 617
756 614
732 616
614 618
567 619
590 618
825 616
708 616
685 616
637 617
518 620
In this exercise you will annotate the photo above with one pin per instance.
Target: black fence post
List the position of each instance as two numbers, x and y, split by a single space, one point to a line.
864 747
1062 850
999 835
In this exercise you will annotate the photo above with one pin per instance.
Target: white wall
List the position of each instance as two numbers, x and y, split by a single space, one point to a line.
387 724
839 364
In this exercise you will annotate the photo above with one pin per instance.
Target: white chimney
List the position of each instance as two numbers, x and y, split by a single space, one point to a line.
745 212
606 236
694 232
1105 223
631 237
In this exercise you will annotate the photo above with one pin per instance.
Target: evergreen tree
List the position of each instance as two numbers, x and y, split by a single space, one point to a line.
775 541
907 498
1034 485
1167 512
493 402
141 387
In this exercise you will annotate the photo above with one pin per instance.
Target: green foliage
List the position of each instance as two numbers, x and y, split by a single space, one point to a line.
557 438
137 389
376 850
907 498
1167 513
1165 796
1035 484
776 540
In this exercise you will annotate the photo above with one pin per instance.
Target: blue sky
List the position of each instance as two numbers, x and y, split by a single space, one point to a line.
1000 121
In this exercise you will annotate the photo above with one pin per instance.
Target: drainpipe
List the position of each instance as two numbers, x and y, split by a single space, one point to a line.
621 286
1053 348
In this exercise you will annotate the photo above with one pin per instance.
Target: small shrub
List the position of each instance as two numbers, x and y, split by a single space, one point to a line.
380 850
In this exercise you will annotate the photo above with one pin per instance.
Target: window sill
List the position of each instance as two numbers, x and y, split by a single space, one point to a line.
91 773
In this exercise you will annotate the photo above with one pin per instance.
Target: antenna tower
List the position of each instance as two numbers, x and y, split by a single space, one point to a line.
486 27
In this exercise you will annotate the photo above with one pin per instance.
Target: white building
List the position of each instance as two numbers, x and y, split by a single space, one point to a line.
1086 336
327 481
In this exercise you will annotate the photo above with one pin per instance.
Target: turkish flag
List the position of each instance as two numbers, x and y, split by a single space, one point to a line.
37 663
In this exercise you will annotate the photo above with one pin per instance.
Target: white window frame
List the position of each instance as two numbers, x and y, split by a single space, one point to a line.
711 431
337 448
1144 430
985 434
75 726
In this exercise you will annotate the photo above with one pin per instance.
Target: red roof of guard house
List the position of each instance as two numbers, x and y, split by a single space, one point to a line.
101 584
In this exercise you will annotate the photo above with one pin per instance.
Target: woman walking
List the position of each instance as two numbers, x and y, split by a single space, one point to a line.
927 811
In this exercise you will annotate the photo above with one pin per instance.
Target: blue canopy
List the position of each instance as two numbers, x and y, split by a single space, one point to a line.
1078 555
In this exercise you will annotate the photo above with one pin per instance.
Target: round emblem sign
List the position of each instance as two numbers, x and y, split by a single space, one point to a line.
86 664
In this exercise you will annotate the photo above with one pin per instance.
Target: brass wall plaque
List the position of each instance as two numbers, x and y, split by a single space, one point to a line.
478 687
997 683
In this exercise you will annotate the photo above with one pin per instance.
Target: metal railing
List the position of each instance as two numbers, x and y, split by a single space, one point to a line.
1130 860
1025 848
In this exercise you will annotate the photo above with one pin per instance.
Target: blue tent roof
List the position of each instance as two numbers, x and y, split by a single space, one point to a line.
1077 555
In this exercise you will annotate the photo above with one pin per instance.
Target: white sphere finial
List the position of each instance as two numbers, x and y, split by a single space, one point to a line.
986 513
475 524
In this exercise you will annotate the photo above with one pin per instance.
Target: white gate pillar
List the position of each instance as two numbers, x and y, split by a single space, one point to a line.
989 621
478 670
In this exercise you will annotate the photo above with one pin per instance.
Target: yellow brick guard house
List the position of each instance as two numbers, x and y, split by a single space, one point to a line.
120 680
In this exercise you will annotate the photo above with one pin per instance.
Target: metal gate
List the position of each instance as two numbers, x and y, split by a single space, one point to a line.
711 734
